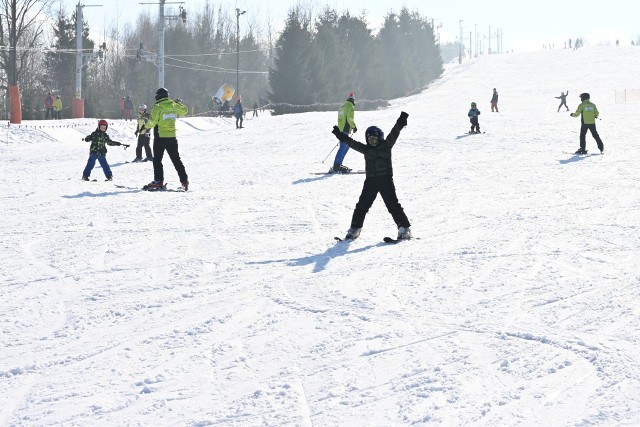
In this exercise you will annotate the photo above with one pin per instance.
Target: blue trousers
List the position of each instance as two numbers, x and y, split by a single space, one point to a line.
342 151
102 159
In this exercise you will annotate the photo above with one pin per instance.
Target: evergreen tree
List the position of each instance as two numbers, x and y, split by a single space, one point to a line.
288 77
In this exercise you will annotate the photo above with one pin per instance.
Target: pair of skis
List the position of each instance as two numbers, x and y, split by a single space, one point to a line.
386 240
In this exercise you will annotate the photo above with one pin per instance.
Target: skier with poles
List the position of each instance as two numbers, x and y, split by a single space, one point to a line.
98 150
346 123
379 170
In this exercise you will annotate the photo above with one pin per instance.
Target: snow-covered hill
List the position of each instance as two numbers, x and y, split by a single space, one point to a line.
231 305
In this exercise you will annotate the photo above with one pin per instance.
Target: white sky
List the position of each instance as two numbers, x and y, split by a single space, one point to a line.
525 25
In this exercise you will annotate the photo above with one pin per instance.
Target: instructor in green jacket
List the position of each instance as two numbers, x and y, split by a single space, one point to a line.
163 122
346 124
588 112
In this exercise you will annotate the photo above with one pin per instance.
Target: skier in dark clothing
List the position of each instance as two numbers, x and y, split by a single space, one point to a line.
239 113
98 150
494 101
473 118
379 170
563 100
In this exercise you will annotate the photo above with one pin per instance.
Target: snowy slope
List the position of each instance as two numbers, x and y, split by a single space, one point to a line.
231 305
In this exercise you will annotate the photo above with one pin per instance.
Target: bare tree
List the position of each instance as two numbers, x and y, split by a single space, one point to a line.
20 28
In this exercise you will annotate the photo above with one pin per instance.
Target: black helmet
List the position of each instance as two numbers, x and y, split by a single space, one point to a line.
161 93
584 96
374 135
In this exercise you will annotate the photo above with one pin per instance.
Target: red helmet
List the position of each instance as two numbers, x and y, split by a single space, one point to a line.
103 122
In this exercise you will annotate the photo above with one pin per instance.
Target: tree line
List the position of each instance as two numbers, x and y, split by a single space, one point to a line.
314 60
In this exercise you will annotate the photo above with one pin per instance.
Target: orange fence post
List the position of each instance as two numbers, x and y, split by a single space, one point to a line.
16 105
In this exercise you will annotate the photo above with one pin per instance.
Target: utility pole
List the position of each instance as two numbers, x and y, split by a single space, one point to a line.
238 13
77 107
461 44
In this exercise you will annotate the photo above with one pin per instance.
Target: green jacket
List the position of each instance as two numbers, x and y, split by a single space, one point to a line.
346 113
589 112
143 119
99 141
163 117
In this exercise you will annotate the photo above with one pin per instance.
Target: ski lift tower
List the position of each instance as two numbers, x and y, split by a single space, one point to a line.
77 107
161 18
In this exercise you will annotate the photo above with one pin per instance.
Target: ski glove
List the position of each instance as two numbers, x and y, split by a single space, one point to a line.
402 120
355 129
337 133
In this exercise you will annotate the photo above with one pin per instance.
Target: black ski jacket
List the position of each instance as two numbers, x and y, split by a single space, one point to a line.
377 159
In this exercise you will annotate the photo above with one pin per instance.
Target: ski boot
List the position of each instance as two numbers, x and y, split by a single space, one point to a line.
339 169
404 233
85 178
136 160
110 178
581 151
185 185
353 233
154 185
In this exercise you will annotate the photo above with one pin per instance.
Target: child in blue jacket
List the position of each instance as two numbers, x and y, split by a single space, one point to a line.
473 118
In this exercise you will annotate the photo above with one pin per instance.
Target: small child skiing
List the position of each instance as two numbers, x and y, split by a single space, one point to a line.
379 177
143 135
473 118
563 100
98 150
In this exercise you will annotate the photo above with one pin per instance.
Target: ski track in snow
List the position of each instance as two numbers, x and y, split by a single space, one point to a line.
232 305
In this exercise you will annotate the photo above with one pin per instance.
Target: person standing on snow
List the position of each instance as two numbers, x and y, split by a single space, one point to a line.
563 100
48 106
238 112
494 101
346 124
57 108
473 118
588 113
377 156
163 122
98 150
143 135
128 108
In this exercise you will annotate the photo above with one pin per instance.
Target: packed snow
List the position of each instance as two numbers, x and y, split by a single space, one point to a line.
232 305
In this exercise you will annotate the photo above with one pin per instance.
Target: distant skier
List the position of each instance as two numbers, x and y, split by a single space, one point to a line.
563 100
346 123
494 101
98 150
377 156
143 135
238 112
589 113
473 118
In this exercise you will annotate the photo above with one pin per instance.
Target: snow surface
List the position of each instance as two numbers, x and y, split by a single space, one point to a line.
231 304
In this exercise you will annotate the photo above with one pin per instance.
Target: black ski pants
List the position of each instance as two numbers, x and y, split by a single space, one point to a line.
171 146
143 141
594 133
372 186
475 125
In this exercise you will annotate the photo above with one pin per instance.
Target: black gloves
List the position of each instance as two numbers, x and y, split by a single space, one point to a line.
355 129
83 139
178 100
337 133
136 133
402 120
125 146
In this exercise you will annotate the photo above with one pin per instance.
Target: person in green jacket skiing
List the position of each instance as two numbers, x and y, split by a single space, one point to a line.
588 112
346 124
163 122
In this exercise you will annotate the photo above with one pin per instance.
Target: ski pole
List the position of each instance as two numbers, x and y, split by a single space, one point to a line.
331 151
